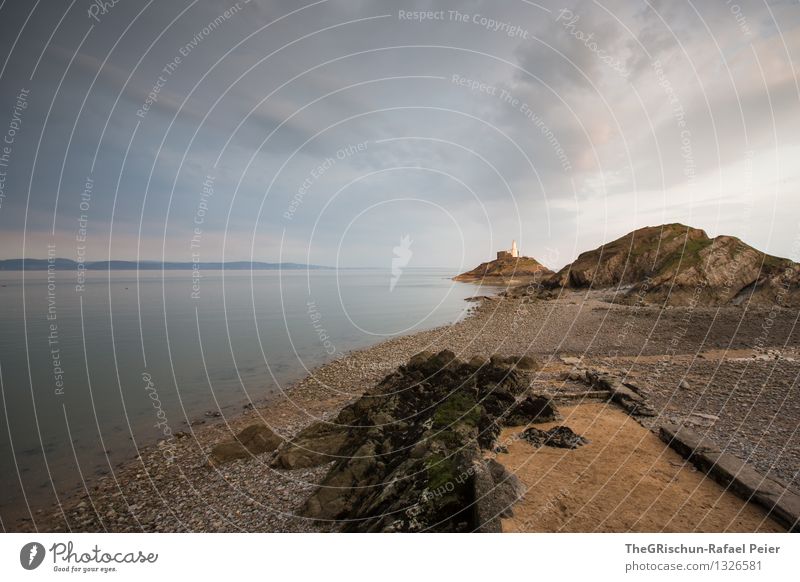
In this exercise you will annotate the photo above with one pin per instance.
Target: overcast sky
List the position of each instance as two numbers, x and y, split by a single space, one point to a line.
325 131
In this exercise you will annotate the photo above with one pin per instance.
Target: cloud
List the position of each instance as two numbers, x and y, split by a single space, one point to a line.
574 131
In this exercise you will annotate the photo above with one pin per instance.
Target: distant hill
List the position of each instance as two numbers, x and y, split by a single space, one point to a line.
66 264
506 270
683 264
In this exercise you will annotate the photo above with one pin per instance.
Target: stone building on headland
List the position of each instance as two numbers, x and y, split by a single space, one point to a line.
510 254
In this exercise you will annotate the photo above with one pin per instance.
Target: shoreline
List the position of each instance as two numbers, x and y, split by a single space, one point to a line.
274 409
150 494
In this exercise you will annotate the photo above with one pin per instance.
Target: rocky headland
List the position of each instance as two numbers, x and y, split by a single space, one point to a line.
682 265
672 263
506 271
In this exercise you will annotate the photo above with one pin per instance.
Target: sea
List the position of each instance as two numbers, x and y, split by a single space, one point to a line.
89 372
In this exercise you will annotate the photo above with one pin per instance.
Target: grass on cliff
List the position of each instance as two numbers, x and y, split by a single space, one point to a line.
687 257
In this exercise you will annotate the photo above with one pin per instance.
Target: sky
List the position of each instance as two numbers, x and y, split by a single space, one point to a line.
333 132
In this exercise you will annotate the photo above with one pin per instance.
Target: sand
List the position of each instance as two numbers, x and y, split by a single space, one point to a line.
625 479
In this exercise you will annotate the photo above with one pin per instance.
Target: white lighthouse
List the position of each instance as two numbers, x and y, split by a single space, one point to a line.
514 250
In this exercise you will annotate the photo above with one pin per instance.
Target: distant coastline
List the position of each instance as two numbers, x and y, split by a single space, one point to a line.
42 265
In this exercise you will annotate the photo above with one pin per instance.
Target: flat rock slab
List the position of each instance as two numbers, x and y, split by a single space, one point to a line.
630 400
782 504
586 394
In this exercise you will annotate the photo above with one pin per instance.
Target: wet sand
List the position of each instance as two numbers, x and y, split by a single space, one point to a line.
625 480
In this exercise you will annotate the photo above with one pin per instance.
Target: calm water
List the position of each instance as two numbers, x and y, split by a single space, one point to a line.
80 370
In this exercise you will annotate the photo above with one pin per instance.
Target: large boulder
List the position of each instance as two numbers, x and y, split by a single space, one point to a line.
496 491
253 440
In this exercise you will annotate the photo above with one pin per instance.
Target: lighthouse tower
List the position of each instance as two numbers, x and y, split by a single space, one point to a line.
514 250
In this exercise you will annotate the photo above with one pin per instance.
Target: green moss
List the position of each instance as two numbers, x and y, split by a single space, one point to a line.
441 470
458 408
443 478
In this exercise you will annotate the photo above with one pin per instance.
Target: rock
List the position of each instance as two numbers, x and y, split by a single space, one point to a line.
705 416
506 270
530 410
410 454
419 359
253 440
528 363
441 361
606 382
684 266
560 437
478 362
684 385
700 419
496 491
259 438
525 363
318 444
575 376
623 394
228 451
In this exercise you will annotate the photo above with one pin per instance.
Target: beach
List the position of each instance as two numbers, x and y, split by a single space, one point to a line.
709 366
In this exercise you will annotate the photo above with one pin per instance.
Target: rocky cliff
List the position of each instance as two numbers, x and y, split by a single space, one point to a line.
683 265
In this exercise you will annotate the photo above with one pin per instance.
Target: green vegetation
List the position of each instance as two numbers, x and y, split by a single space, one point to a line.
688 256
441 471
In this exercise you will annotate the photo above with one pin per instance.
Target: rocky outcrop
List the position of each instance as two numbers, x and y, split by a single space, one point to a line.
683 266
411 453
253 440
529 410
506 270
560 437
318 444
